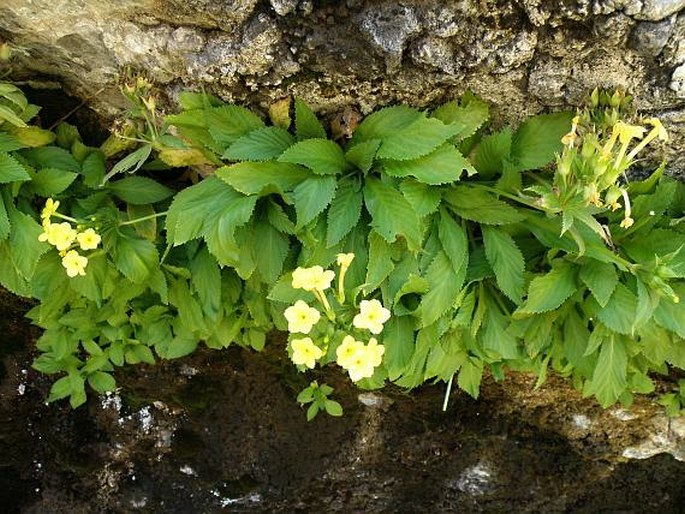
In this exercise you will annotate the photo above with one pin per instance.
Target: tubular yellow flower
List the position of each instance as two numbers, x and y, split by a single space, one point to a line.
64 236
314 278
305 352
74 263
375 351
345 259
658 130
347 352
627 222
628 132
301 317
372 315
88 240
50 208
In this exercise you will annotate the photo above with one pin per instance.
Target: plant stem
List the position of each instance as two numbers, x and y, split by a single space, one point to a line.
448 391
64 217
144 218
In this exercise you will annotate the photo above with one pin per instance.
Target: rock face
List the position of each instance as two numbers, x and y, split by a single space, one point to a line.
522 56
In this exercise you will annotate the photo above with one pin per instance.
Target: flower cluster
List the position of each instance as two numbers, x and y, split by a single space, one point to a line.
64 237
359 359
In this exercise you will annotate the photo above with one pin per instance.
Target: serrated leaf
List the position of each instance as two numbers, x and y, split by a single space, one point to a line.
49 181
132 162
257 178
8 115
4 221
102 382
222 226
391 214
454 242
271 251
444 285
470 375
538 139
494 335
279 219
547 292
193 100
312 196
344 211
228 123
25 249
492 152
260 145
135 258
139 190
469 114
600 278
11 170
423 198
363 154
442 166
380 261
619 312
322 156
51 157
671 315
384 123
609 378
307 126
398 339
506 260
416 140
475 204
9 143
206 282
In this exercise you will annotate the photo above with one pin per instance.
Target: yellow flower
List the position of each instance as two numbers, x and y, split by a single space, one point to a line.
345 259
59 235
347 351
627 132
74 263
314 278
375 351
301 317
372 315
361 365
627 222
88 240
658 128
305 352
50 208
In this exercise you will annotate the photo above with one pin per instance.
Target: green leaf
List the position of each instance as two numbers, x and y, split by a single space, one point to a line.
549 291
260 145
422 197
494 335
363 154
307 126
206 282
9 143
139 190
102 382
380 261
609 378
454 242
333 408
132 162
11 170
470 375
135 258
190 316
391 214
491 153
4 221
8 115
344 211
538 139
312 196
50 181
270 251
33 136
181 345
384 123
469 114
444 286
221 227
478 205
416 140
442 166
191 100
600 278
322 156
619 312
671 315
25 249
258 178
506 260
228 123
398 339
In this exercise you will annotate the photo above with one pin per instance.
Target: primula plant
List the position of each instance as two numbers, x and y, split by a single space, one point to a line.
422 248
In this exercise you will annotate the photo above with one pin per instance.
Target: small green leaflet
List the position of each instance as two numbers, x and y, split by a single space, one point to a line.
475 204
469 114
491 153
600 278
384 123
454 242
307 126
444 285
312 196
135 258
506 260
322 156
260 145
4 221
344 211
609 377
442 166
470 375
270 251
229 123
206 282
549 291
259 178
11 170
418 139
363 154
380 262
422 197
391 214
132 162
619 312
139 190
538 139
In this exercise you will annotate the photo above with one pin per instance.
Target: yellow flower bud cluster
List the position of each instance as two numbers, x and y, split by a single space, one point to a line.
63 237
359 359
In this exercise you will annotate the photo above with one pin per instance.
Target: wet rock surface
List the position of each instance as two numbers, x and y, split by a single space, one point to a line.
523 56
221 432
